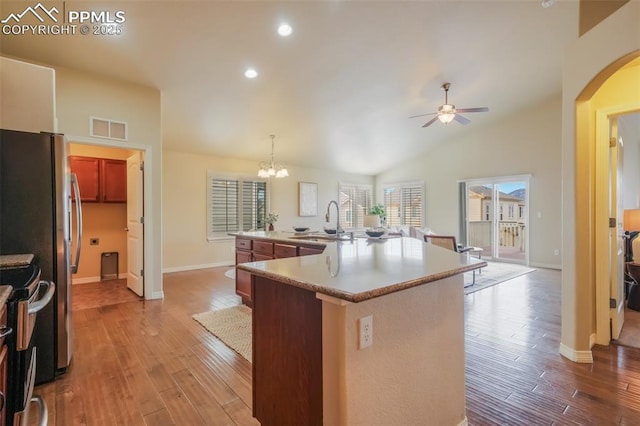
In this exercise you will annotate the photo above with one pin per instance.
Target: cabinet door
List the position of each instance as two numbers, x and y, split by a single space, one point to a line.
243 278
87 169
113 183
285 250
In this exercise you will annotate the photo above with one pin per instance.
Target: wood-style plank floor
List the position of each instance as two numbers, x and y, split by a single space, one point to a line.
148 362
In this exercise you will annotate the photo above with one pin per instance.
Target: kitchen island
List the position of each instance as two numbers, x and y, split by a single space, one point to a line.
309 364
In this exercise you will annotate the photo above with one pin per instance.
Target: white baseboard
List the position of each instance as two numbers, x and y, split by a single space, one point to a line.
583 357
229 263
156 295
87 280
545 265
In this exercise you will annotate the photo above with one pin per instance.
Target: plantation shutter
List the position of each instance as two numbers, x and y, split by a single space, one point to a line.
224 206
253 205
404 204
393 206
355 203
412 205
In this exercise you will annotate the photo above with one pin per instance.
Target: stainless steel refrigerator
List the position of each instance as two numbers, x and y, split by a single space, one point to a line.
36 217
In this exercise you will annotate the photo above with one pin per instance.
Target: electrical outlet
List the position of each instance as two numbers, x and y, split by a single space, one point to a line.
366 331
556 252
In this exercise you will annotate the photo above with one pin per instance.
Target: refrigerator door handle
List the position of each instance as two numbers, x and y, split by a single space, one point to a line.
37 306
76 190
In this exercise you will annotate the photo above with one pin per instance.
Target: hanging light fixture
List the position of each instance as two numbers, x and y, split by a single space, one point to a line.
271 169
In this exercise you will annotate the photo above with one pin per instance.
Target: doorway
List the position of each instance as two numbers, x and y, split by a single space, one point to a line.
114 228
495 217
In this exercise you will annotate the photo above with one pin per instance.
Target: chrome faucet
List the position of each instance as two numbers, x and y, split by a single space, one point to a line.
327 217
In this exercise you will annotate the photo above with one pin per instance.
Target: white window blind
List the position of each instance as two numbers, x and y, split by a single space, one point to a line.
234 205
404 204
355 203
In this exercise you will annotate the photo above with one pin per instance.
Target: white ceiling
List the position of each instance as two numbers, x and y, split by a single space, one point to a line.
338 92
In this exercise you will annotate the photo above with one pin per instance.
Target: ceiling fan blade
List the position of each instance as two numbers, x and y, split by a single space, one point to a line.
422 115
430 122
481 109
460 119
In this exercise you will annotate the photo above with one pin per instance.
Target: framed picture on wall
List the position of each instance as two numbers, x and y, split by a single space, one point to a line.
308 199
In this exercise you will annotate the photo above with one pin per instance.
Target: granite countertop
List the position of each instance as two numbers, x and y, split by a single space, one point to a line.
5 292
361 269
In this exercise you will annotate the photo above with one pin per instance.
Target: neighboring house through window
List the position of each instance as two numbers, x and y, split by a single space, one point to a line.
404 203
355 202
234 204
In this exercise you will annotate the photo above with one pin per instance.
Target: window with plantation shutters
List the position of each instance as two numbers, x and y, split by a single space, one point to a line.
234 204
355 203
404 204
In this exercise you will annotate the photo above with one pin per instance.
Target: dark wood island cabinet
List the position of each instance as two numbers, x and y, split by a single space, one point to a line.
256 249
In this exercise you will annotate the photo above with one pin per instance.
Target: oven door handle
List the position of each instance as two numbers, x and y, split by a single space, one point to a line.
43 412
4 332
37 306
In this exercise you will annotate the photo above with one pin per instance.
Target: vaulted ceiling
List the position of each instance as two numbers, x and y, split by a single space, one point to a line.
337 92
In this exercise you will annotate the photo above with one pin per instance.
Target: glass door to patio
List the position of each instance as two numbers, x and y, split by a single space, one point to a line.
497 217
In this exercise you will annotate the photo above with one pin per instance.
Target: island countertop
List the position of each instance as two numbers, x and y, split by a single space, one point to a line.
360 269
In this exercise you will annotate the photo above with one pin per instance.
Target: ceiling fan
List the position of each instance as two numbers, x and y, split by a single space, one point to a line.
448 112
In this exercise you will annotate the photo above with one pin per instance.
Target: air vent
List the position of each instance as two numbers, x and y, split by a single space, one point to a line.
110 129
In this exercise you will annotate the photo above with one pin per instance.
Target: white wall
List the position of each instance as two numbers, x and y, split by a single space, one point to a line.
185 244
612 39
27 97
529 142
80 96
629 131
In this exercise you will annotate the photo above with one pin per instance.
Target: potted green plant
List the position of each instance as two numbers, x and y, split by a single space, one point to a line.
271 219
378 209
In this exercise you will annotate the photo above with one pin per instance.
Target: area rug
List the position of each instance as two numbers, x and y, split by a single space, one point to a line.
494 273
232 326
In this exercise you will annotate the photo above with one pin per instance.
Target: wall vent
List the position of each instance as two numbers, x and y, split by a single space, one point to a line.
110 129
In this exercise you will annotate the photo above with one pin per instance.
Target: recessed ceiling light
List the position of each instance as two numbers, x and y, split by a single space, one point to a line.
285 30
548 3
251 73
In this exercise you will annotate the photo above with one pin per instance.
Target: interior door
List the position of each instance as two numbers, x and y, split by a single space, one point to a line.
616 232
135 224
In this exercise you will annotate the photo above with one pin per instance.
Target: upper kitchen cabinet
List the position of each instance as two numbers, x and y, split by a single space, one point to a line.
113 181
100 179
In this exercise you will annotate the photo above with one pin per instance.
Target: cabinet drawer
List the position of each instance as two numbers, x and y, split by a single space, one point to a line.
243 284
260 257
243 243
284 250
263 247
243 256
305 251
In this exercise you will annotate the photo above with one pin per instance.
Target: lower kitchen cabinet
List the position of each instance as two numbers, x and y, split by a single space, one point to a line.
258 250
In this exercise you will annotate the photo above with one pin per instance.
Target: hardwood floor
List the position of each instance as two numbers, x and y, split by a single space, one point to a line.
148 362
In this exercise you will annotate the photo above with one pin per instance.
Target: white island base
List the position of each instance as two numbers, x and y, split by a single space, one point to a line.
413 374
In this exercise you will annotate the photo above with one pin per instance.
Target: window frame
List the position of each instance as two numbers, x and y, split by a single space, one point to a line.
401 187
354 217
241 179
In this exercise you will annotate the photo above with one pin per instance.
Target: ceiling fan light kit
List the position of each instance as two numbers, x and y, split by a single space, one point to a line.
448 112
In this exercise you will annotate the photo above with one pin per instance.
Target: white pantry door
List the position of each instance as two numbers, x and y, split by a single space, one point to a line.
135 224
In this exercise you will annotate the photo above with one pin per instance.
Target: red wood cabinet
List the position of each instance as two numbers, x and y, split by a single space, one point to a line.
100 179
255 250
87 170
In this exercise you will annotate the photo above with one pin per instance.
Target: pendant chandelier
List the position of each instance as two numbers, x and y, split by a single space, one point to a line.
270 169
